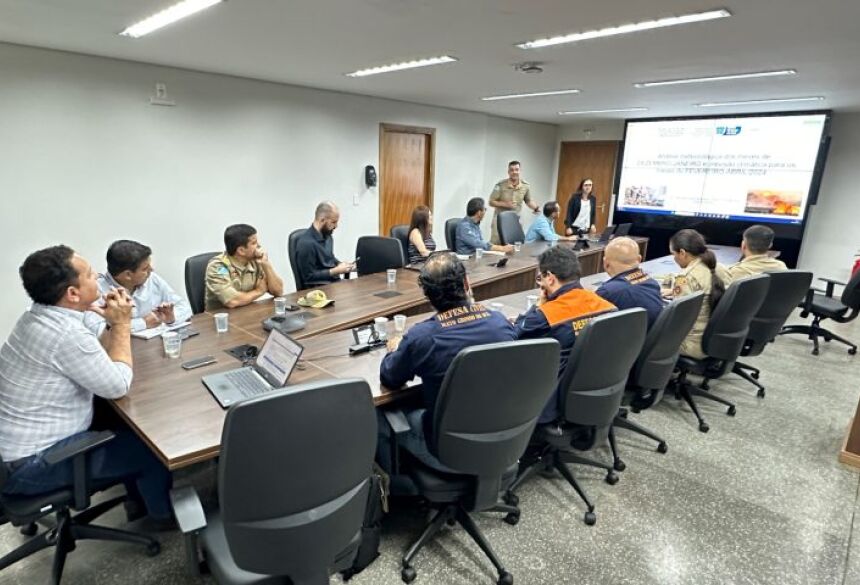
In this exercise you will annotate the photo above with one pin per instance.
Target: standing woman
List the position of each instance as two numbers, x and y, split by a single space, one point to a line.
581 209
699 272
421 243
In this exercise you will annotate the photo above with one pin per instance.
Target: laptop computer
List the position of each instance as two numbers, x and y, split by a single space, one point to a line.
606 235
271 369
622 230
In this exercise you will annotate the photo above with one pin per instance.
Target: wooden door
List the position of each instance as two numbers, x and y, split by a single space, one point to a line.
405 173
581 160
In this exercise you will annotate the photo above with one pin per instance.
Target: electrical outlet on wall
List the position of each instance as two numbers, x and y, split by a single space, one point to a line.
356 199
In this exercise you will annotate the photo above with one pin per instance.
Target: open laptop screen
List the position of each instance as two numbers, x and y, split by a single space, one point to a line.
279 356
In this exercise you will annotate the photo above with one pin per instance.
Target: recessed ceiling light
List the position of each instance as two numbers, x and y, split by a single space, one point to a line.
729 77
167 16
576 113
756 102
401 66
514 96
627 28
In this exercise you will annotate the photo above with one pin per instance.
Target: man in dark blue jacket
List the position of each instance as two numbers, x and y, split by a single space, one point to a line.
429 347
629 287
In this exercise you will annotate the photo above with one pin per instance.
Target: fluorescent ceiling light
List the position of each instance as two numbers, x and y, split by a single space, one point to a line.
602 111
167 16
730 77
514 96
627 28
756 102
402 66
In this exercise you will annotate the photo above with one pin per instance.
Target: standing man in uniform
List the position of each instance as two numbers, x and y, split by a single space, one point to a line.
757 241
243 273
629 287
509 195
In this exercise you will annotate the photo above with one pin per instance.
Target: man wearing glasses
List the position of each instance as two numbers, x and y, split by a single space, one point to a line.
563 309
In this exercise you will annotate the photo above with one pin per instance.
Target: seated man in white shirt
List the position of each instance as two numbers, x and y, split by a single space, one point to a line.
129 267
51 366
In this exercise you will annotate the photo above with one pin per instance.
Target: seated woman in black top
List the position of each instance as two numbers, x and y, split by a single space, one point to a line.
421 243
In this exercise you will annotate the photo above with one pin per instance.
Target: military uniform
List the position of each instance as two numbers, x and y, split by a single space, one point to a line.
504 191
751 265
225 279
692 279
633 288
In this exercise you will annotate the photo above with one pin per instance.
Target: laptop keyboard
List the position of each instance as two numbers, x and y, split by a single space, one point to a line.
247 383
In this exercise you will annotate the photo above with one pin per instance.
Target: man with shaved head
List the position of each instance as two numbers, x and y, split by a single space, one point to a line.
628 286
315 257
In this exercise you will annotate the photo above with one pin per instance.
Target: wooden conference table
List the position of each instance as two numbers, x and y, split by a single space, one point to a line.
174 413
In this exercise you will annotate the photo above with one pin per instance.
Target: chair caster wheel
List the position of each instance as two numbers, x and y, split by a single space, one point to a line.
408 574
611 478
590 518
814 352
760 393
506 579
623 414
511 499
662 448
731 411
619 465
512 519
29 529
754 375
705 386
153 548
450 521
852 351
704 428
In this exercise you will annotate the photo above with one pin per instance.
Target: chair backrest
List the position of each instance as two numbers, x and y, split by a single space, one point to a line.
293 478
195 280
510 230
291 254
451 232
594 379
488 405
378 253
787 289
653 368
401 232
851 293
727 329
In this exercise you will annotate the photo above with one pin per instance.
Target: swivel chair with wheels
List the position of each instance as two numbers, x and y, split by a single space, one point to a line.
451 233
509 227
292 254
195 280
378 254
401 232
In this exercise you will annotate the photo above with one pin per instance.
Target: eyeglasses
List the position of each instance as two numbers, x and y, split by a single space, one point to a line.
540 276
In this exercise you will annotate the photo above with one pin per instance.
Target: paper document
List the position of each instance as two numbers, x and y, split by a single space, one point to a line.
156 331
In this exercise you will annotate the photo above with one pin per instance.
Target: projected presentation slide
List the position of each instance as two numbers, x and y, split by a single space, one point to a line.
745 168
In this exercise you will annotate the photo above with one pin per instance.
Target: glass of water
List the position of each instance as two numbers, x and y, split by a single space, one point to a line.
172 343
399 323
222 323
391 276
280 306
479 253
517 246
531 301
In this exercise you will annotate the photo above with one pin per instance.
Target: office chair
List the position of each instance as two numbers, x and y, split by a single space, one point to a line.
786 291
653 368
826 306
722 341
487 408
25 511
291 254
401 232
510 230
451 233
293 485
195 280
378 254
590 393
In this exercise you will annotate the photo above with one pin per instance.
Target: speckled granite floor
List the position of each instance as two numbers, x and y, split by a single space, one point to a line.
760 499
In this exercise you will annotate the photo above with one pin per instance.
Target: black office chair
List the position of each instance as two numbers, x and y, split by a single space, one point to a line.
195 280
826 306
451 233
510 230
488 405
293 485
378 253
291 254
654 366
25 511
591 389
787 289
722 341
401 232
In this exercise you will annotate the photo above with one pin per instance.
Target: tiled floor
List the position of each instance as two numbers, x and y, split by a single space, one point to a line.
760 499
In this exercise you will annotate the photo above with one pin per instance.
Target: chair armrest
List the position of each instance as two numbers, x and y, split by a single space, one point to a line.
397 421
77 451
831 284
191 520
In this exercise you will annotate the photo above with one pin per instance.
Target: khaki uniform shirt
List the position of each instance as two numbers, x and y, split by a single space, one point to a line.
752 265
504 191
692 279
225 279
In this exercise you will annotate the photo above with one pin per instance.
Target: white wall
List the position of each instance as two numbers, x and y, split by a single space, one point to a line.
85 160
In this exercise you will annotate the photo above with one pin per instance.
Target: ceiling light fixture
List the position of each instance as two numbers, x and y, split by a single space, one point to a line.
729 77
401 66
576 113
756 102
167 16
627 28
514 96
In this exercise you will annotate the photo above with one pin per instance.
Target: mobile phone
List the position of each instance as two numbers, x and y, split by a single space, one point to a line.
501 263
293 308
199 362
187 332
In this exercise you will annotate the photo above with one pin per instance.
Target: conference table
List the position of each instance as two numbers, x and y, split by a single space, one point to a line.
174 413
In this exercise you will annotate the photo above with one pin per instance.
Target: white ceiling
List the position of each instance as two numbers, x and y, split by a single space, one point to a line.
314 42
